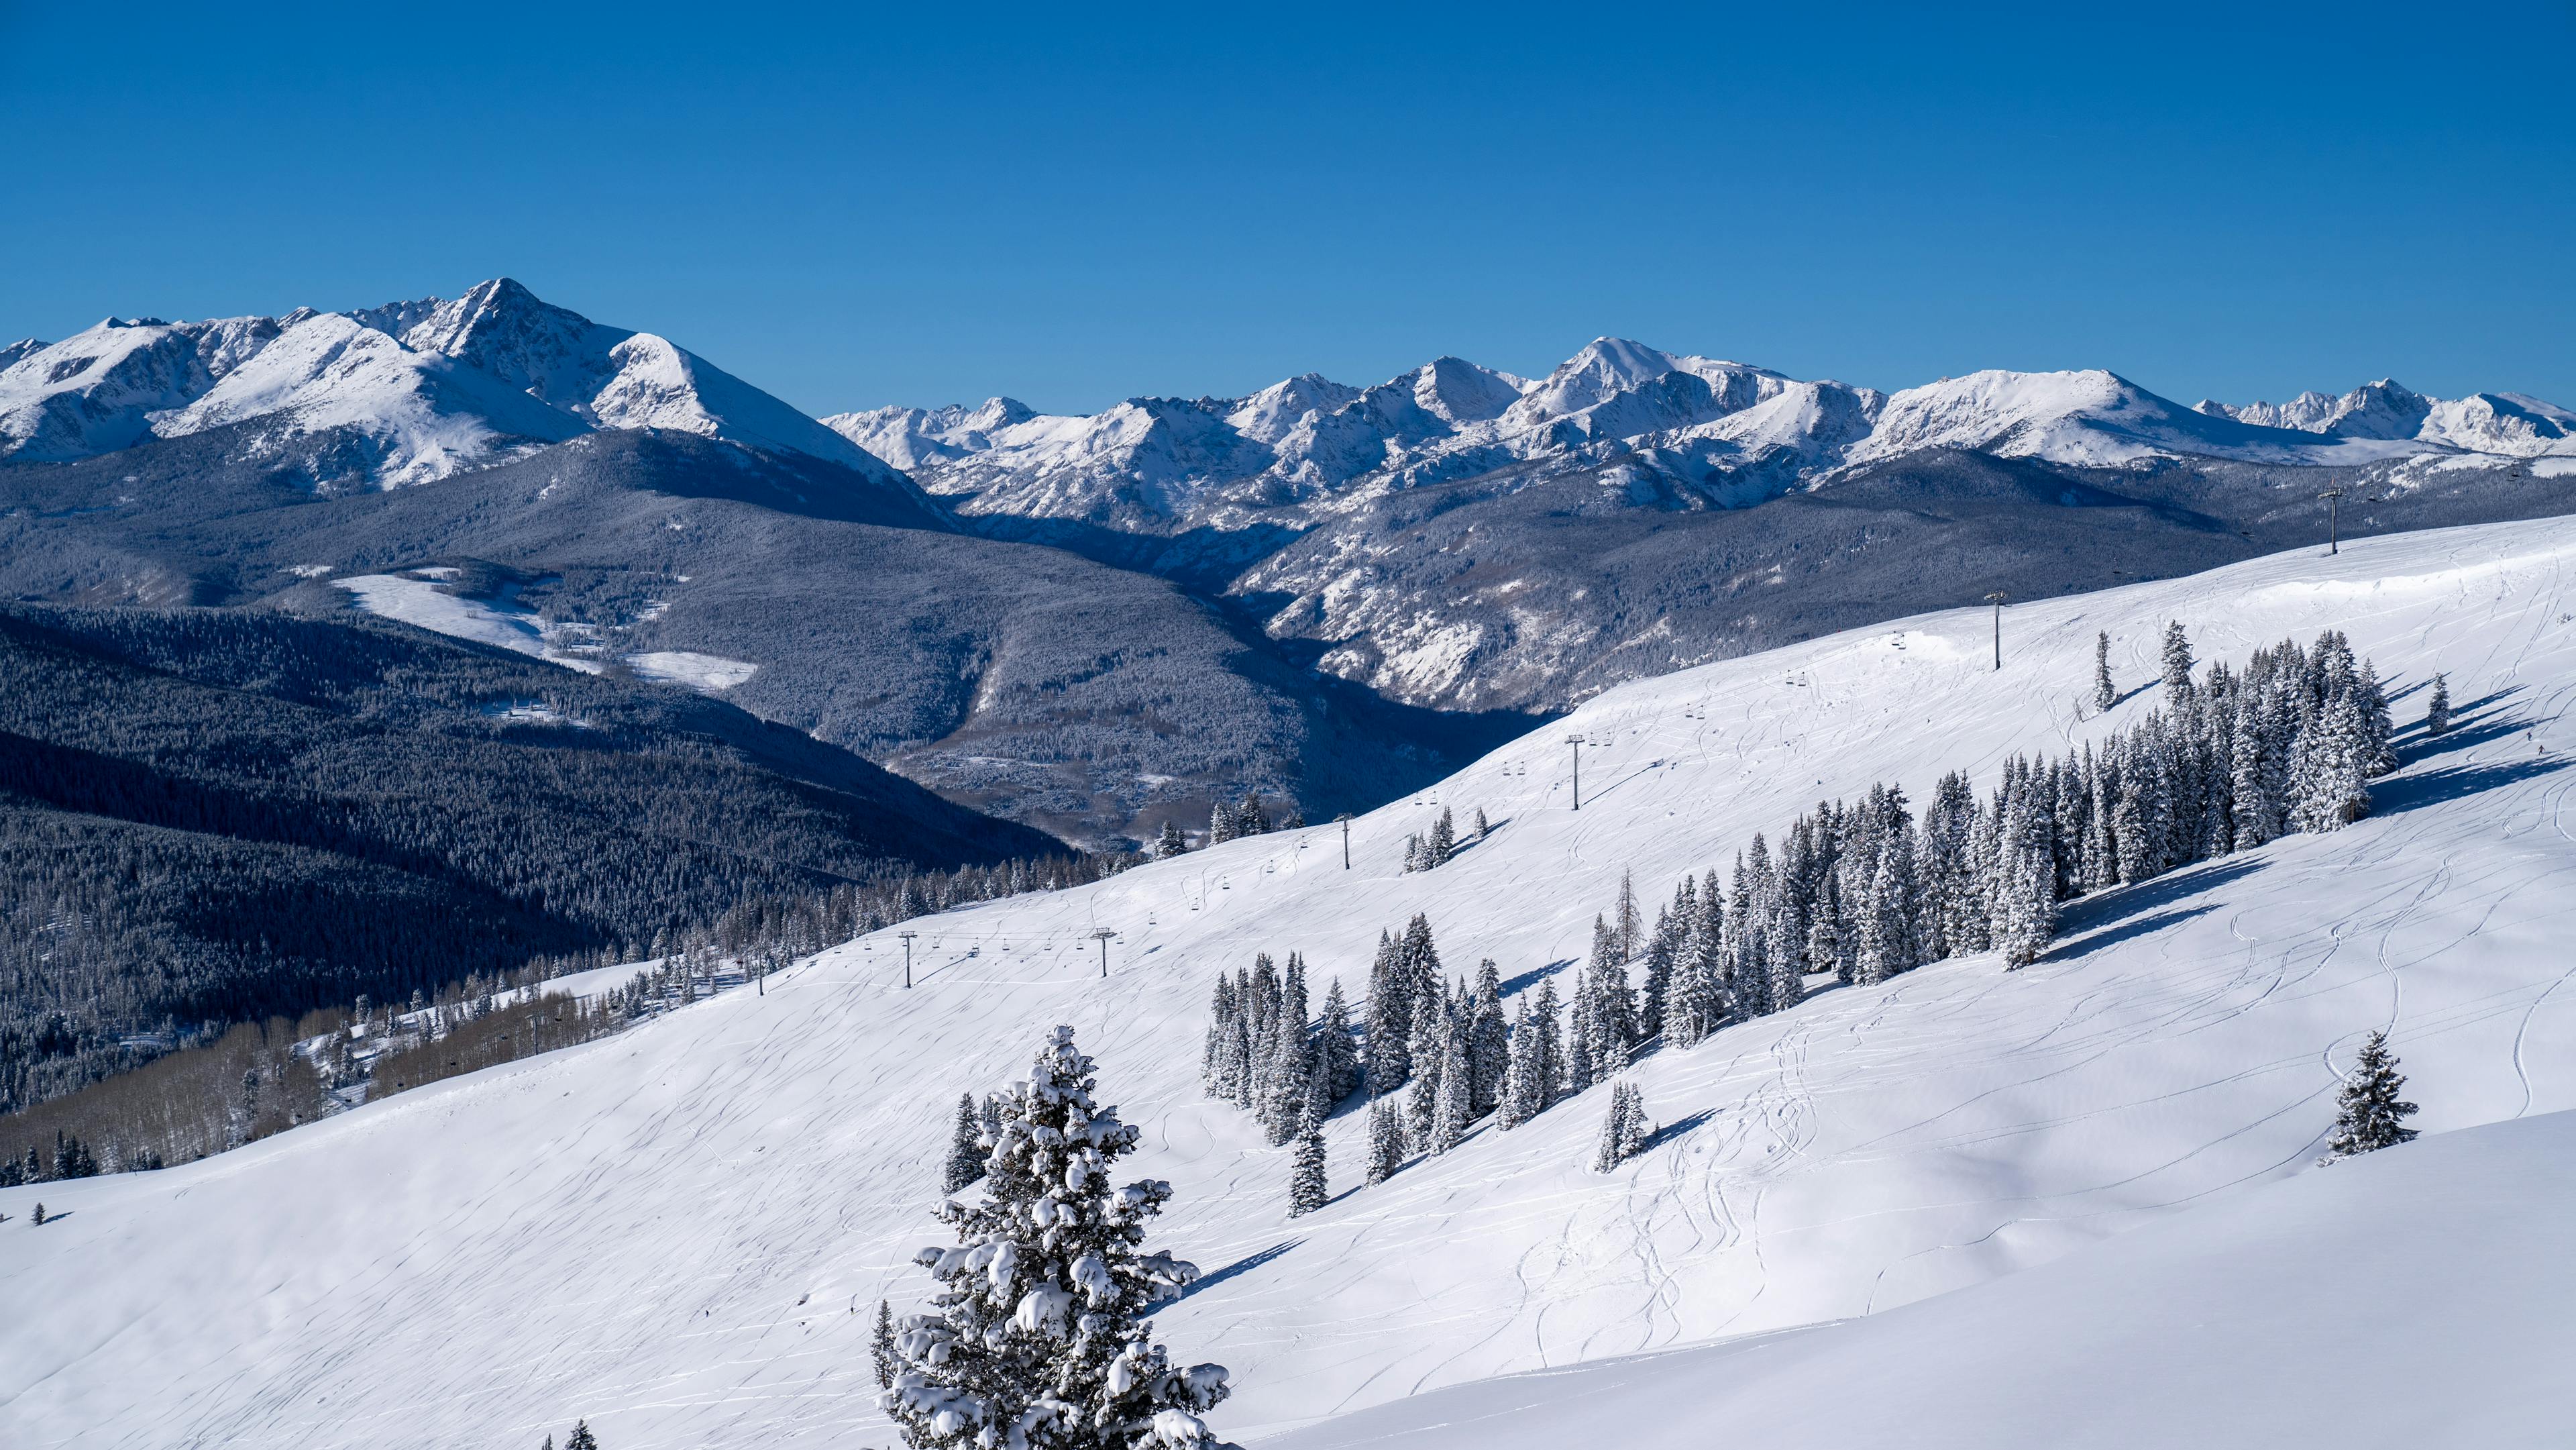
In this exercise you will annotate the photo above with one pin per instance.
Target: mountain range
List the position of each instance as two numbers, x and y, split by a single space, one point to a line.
1321 592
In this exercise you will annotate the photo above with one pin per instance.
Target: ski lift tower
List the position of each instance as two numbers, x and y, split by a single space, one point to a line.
907 957
1102 936
1997 600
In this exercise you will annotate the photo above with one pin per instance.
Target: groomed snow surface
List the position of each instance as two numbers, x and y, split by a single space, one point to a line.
680 1233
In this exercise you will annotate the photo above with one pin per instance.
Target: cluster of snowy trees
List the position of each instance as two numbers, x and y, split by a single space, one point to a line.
1443 1038
1265 1056
1429 850
1246 817
1438 1054
1866 890
1038 1336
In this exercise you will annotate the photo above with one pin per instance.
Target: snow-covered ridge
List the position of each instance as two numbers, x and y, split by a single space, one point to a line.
433 386
1735 432
756 1173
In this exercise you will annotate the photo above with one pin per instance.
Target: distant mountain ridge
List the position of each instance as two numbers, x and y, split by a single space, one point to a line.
1730 432
424 389
1318 591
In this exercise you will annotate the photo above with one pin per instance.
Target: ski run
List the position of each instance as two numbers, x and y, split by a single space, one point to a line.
1814 1221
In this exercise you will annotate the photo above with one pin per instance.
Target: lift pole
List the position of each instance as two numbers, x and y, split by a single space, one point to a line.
2334 506
907 957
1997 600
1577 742
1103 935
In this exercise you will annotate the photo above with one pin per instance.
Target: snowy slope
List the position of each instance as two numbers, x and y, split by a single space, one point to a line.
668 1232
2413 1298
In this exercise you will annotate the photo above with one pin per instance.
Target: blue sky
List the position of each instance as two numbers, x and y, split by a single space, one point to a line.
851 206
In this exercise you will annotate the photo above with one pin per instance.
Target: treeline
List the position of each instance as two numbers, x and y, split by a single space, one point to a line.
258 1079
211 817
1862 891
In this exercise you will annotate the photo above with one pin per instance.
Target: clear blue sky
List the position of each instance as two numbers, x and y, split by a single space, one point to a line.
853 207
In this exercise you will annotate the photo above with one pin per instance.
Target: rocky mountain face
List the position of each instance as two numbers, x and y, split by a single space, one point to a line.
405 393
1323 592
1459 537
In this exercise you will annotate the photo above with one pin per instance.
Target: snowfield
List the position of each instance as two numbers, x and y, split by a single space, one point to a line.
2254 1320
680 1233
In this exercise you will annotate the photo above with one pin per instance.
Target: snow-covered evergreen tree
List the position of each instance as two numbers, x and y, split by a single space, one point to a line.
1336 1058
965 1147
1625 918
2104 694
881 1352
1171 842
1220 824
2369 1115
1454 1108
581 1438
1038 1339
2437 710
1443 841
2177 663
1307 1190
2330 763
1488 1042
1481 827
1624 1129
1390 1019
1385 1140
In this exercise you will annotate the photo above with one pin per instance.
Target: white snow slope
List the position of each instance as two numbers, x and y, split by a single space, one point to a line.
2413 1298
679 1233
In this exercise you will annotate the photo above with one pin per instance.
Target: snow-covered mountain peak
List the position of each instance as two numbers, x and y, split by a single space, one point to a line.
431 386
1267 415
2381 410
2507 424
1629 389
502 328
92 392
426 416
1459 392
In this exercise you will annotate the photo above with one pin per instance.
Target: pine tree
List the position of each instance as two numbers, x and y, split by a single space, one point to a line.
1515 1107
1624 1129
881 1346
1039 1336
2104 696
965 1150
1626 920
1337 1061
1444 840
1306 1187
1220 824
581 1438
2177 663
1481 827
1488 1043
2369 1115
1171 843
2437 710
1454 1108
1385 1140
1390 1019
